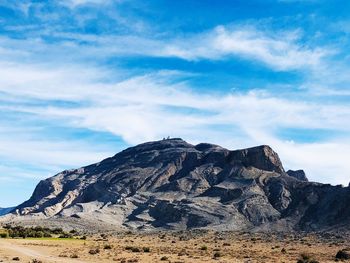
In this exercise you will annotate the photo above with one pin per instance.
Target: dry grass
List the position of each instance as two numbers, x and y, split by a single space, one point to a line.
183 247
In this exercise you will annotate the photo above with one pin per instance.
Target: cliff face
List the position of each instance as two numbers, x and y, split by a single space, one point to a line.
175 185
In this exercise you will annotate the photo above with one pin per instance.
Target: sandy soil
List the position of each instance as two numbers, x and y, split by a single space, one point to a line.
176 248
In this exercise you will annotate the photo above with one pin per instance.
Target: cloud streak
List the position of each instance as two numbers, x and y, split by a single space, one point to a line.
279 51
75 69
149 107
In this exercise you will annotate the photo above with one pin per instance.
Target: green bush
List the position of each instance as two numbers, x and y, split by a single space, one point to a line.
46 234
39 234
35 232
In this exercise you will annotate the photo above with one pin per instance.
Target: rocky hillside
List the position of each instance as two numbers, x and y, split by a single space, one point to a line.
172 184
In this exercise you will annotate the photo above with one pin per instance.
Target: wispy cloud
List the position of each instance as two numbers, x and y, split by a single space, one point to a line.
97 67
279 50
77 3
149 107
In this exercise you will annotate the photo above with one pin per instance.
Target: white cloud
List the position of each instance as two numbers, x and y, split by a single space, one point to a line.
77 3
281 50
149 107
277 50
49 155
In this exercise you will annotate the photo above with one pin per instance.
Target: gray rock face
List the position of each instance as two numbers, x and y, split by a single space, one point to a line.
171 184
299 174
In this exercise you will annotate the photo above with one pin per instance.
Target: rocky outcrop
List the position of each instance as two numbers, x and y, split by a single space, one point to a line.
171 184
299 174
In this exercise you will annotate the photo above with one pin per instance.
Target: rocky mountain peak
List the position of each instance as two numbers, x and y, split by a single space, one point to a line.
163 144
171 184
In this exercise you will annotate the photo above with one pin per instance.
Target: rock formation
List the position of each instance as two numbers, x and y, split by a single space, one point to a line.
299 174
171 184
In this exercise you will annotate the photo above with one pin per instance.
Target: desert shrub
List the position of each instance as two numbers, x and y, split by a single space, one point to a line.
342 254
163 258
107 246
35 232
283 250
226 244
3 235
204 248
65 235
305 258
146 249
46 234
94 251
16 259
38 228
39 234
135 249
217 255
57 231
74 256
83 238
36 261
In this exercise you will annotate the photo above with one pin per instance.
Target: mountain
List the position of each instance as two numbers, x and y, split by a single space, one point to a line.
171 184
4 211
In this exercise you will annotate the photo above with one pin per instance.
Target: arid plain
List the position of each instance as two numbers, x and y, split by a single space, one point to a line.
177 247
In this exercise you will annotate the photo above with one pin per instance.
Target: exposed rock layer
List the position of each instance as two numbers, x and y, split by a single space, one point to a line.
175 185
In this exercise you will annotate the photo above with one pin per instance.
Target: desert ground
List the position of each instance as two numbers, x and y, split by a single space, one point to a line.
176 247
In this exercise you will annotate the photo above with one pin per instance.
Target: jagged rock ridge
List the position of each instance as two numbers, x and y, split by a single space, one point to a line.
172 184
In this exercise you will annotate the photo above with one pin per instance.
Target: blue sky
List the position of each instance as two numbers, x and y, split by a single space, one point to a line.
83 79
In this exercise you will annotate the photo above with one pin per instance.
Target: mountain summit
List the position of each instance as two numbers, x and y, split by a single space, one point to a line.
171 184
